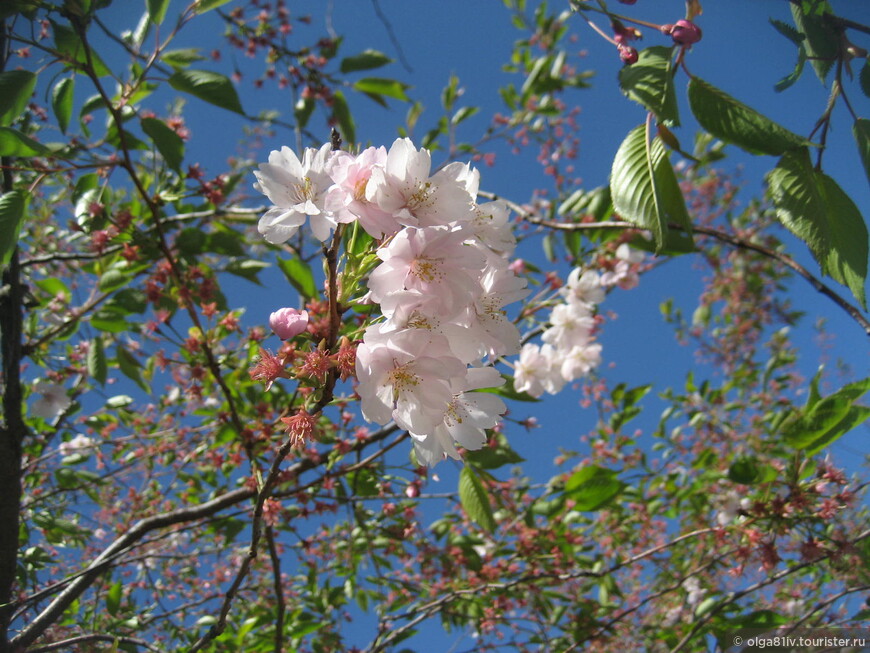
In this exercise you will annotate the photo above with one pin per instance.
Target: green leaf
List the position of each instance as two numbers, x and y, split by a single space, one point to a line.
861 131
828 419
593 487
746 470
68 44
207 5
798 202
181 58
378 86
342 114
157 10
62 101
303 110
366 60
645 191
463 114
299 274
475 499
16 87
130 367
493 457
14 143
650 81
847 260
12 208
248 269
97 366
168 143
822 42
113 598
208 86
734 122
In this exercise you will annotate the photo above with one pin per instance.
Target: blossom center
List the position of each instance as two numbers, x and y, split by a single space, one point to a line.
426 269
303 192
402 379
422 196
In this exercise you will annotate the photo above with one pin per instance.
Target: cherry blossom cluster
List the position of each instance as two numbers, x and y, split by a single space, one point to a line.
442 282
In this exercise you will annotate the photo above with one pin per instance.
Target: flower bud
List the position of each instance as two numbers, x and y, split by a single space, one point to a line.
685 32
628 54
288 322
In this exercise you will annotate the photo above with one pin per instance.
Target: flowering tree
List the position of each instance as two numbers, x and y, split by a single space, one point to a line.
177 475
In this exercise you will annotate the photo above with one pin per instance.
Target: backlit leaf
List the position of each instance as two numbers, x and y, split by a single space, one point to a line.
16 86
475 499
734 122
378 86
208 86
593 487
97 366
366 60
345 120
157 10
12 205
14 143
168 143
861 131
649 81
62 101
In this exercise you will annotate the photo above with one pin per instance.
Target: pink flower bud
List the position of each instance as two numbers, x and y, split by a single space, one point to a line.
685 32
288 322
628 54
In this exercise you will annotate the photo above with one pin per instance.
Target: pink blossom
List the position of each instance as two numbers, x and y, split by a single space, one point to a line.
288 323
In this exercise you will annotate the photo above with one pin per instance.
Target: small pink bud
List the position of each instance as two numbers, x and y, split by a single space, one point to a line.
685 32
628 54
288 322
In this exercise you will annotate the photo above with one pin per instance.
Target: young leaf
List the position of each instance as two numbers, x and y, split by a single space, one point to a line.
14 143
799 205
650 82
593 487
822 42
734 122
828 419
475 499
181 58
377 86
644 188
299 275
345 120
847 259
12 205
167 142
210 87
206 5
16 87
70 45
97 366
366 60
113 598
62 101
157 10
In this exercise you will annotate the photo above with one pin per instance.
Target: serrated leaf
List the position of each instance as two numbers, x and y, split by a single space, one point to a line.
366 60
62 101
649 81
475 499
847 260
787 31
113 598
861 132
734 122
645 191
342 114
14 143
795 74
208 86
593 487
97 366
384 87
828 419
168 143
16 87
12 207
157 10
798 202
822 41
299 274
